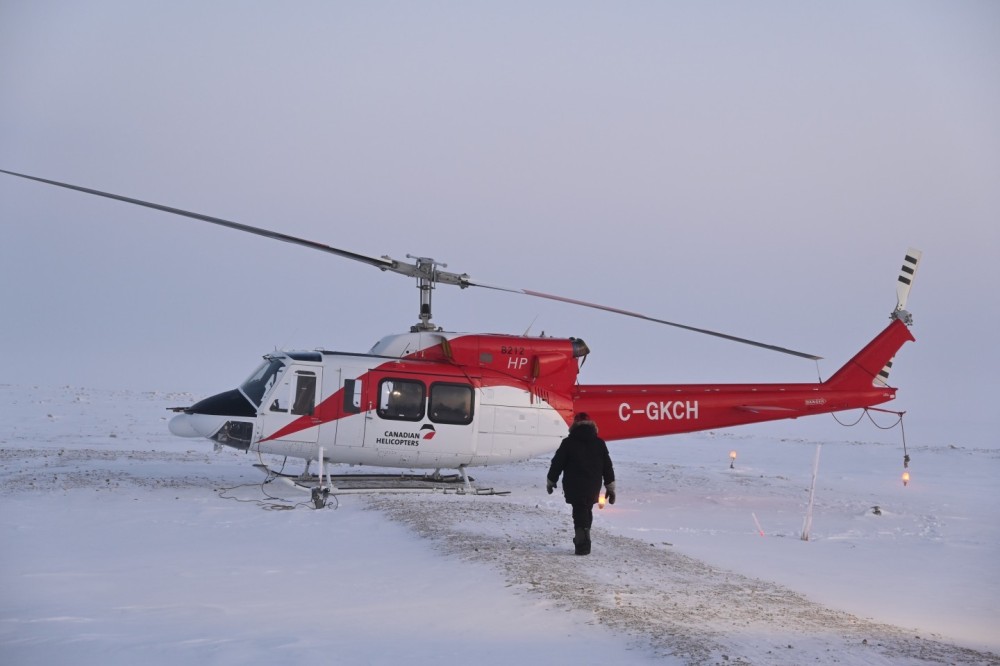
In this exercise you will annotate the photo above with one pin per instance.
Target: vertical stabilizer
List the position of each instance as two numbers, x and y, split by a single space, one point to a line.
869 366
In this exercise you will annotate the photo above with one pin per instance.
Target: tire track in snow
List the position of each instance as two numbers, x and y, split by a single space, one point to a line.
675 604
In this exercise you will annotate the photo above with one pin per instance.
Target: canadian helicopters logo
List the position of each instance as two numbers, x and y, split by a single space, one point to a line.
397 438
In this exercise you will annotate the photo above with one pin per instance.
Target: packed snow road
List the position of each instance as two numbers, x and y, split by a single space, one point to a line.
679 606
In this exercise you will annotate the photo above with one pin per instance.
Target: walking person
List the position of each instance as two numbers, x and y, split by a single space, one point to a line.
584 462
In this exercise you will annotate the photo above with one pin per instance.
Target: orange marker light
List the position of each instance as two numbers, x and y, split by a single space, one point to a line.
906 478
732 459
600 501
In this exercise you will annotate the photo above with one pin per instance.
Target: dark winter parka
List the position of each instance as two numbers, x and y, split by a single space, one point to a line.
584 462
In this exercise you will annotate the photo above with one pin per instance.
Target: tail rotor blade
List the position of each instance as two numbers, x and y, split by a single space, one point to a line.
906 275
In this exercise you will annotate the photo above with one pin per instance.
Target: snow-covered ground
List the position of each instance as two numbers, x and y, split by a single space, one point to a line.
121 544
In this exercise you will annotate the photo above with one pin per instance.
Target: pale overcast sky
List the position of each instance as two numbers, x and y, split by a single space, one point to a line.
758 168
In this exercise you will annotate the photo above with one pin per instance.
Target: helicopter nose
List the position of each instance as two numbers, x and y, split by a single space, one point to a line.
207 417
196 425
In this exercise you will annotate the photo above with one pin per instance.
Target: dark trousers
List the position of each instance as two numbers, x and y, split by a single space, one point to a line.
583 515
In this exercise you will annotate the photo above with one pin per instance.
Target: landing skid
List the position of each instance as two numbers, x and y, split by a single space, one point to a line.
358 484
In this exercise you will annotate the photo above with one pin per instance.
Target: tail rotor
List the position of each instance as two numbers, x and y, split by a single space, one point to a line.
903 284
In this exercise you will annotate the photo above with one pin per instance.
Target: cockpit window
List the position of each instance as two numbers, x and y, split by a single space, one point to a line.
261 381
305 393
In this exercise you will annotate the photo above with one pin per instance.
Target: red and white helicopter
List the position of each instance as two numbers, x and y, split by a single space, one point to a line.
434 399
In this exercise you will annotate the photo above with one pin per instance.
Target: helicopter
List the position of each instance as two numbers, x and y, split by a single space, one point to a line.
435 399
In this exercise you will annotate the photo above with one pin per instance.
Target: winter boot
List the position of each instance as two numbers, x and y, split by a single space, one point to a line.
582 541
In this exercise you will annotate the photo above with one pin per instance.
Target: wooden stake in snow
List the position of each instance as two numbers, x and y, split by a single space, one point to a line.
807 524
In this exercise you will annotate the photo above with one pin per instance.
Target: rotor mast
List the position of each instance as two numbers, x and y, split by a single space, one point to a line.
425 269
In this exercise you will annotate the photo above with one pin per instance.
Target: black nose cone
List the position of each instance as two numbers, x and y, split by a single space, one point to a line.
230 403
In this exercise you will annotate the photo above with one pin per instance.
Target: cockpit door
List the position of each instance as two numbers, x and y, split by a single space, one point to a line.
288 411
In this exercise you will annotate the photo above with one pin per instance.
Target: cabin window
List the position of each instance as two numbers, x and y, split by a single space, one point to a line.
304 401
401 399
451 403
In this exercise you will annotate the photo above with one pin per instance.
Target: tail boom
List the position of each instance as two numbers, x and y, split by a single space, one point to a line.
648 410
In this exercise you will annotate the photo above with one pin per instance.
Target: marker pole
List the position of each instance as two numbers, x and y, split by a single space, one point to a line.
807 524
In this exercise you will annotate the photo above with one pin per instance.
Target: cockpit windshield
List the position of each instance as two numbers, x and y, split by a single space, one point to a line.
263 378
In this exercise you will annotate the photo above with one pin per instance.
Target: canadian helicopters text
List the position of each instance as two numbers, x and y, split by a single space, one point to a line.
441 400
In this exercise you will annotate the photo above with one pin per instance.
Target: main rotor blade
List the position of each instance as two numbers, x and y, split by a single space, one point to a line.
424 269
627 313
384 264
